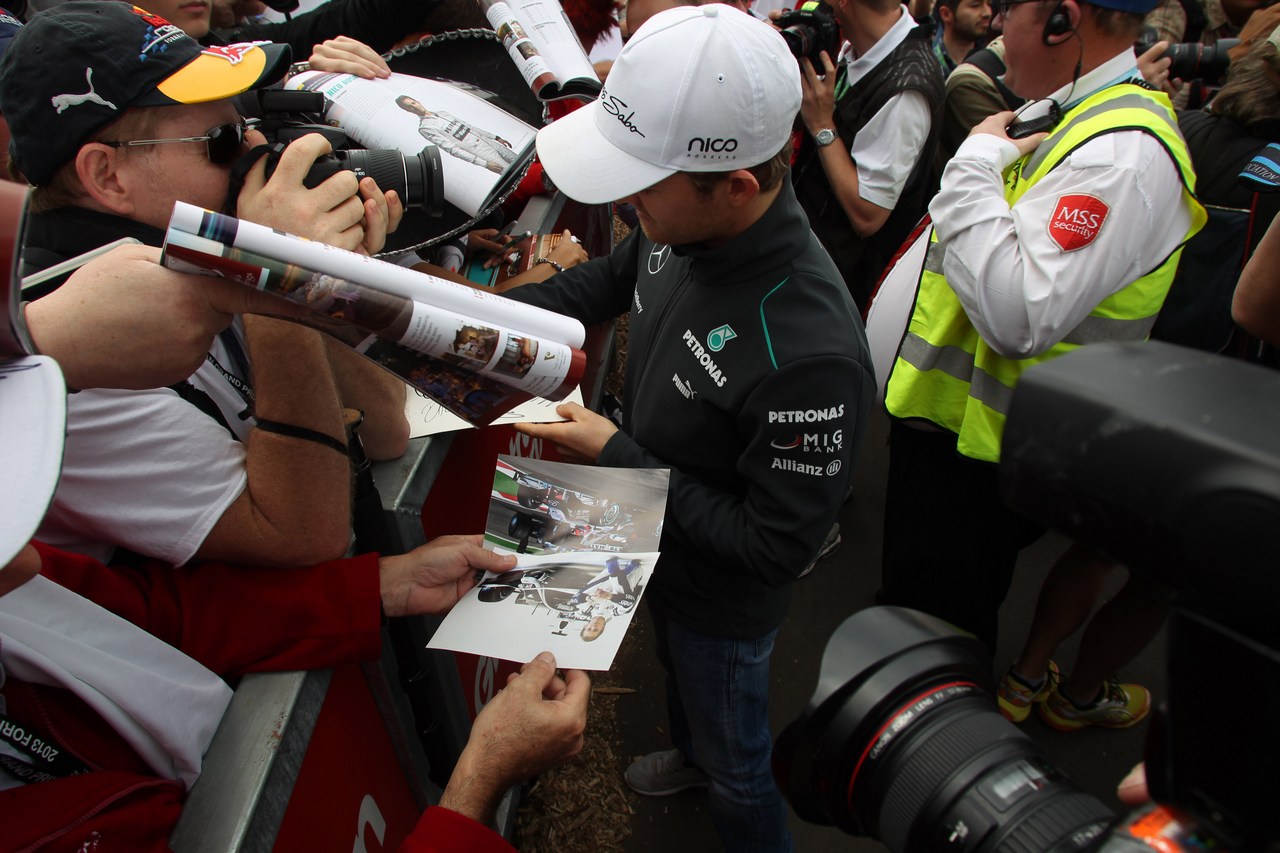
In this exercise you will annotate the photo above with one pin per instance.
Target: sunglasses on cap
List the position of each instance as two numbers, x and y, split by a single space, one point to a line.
223 142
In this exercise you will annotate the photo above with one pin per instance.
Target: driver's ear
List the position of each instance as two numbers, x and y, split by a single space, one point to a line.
743 187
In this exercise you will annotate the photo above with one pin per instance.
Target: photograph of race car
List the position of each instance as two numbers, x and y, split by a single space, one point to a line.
570 588
578 606
540 507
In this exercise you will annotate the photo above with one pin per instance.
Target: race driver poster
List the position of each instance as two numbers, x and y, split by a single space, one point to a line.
586 541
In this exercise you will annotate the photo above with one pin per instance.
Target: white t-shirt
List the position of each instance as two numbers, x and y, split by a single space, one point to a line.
147 470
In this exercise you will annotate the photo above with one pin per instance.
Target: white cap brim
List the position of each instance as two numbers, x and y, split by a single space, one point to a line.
586 166
33 427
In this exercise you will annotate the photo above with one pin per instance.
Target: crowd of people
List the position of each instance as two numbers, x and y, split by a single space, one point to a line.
1063 193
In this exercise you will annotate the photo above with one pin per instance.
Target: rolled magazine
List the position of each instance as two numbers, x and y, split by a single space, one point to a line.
538 36
475 353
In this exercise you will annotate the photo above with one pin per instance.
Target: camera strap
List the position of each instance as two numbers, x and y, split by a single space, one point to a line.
238 172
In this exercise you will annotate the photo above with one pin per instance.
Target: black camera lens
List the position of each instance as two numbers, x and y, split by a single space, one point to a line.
417 178
1200 61
902 741
802 41
1191 60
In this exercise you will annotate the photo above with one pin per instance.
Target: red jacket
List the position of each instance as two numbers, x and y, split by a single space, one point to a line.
232 619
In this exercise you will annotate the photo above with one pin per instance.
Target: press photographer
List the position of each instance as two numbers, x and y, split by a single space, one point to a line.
112 139
871 114
1162 458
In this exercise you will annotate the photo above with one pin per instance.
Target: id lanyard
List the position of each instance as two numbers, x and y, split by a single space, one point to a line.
842 80
42 758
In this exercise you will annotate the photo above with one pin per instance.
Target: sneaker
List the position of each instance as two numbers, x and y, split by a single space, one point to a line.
1015 696
1120 706
661 773
829 546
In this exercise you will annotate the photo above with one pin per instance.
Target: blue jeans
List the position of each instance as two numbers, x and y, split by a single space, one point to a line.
718 705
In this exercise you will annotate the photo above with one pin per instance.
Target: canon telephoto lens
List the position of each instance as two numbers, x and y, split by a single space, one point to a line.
416 178
1200 61
902 741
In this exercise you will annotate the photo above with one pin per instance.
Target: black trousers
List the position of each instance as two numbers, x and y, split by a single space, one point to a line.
950 542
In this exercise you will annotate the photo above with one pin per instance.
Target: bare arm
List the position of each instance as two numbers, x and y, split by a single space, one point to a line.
567 253
296 507
1256 306
817 110
124 321
345 55
536 722
378 393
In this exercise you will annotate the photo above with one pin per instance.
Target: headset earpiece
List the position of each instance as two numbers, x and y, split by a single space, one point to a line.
1059 24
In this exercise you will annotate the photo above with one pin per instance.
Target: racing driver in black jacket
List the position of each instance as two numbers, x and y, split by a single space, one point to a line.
747 375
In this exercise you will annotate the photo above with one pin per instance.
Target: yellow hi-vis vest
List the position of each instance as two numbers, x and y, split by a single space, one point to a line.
946 373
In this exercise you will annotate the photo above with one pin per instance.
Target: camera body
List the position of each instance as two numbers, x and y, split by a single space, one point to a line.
289 115
1166 459
810 30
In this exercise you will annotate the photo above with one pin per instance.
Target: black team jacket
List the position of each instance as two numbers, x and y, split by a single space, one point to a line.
747 375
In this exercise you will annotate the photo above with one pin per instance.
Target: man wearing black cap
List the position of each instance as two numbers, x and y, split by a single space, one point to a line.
1042 243
115 114
86 665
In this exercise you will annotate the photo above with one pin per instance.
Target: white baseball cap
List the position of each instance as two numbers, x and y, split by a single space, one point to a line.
696 89
33 400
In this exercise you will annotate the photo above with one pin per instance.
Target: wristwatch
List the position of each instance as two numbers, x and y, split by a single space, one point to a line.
824 137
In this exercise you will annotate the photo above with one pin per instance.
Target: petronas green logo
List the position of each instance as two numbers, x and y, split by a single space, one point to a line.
717 338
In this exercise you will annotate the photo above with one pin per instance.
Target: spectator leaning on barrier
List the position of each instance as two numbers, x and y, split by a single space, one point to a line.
747 375
115 114
1043 244
865 171
129 715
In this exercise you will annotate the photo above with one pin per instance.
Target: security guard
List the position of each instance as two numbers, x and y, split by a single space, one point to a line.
1042 243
